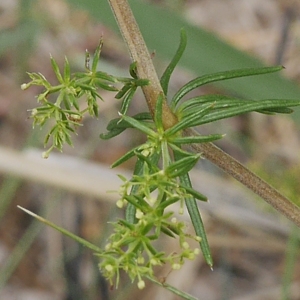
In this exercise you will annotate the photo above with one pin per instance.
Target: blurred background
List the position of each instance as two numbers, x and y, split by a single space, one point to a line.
255 250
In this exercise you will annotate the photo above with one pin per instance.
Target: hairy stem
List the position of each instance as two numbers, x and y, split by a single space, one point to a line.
139 54
145 69
247 178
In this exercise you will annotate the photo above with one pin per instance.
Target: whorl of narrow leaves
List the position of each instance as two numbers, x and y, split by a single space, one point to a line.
75 95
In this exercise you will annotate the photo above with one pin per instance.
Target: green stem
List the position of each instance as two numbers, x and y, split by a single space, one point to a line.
64 231
165 155
172 289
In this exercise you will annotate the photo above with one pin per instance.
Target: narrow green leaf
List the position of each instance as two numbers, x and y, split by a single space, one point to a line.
119 123
66 101
138 170
281 110
221 101
68 139
130 209
56 70
123 91
126 224
195 102
196 139
140 82
165 79
116 123
220 106
117 126
137 203
143 116
104 76
71 112
111 133
85 87
132 70
168 202
45 108
124 158
182 166
152 164
105 86
67 71
194 193
196 219
167 231
158 116
199 81
95 108
47 137
97 56
73 101
245 108
130 213
127 100
178 149
139 125
148 245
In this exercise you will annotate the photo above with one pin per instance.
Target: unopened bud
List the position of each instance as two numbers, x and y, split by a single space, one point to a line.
141 284
24 86
45 154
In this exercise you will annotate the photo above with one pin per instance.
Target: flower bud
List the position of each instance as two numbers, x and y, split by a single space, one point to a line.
154 261
185 245
197 251
45 154
120 203
141 284
140 260
24 86
139 214
109 268
174 220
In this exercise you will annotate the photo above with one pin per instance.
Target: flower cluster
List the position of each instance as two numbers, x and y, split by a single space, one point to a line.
131 247
160 179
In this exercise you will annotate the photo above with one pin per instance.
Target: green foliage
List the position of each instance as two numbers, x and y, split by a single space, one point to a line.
161 175
62 103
